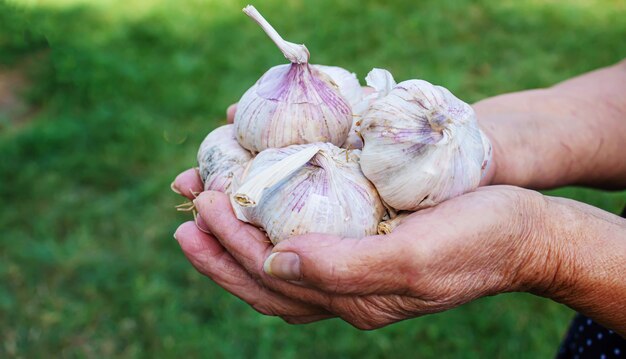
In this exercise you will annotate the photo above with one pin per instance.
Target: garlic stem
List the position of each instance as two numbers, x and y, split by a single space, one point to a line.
386 227
293 52
250 193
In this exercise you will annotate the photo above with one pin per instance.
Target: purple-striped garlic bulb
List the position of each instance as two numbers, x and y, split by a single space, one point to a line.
312 188
221 158
296 103
422 146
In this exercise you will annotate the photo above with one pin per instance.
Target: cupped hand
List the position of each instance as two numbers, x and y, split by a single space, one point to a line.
481 243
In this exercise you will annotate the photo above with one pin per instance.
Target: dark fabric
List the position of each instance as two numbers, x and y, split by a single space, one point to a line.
588 339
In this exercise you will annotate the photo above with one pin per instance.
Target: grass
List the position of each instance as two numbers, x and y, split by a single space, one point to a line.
122 92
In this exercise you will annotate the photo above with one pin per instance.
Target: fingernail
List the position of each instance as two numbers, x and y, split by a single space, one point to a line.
283 265
174 188
175 237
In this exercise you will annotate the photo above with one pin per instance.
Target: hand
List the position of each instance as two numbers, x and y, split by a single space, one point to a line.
494 240
474 245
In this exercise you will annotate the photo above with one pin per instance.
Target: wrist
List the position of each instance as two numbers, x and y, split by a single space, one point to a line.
583 261
555 263
516 139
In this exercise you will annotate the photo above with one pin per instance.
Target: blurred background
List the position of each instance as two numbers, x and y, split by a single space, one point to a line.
103 103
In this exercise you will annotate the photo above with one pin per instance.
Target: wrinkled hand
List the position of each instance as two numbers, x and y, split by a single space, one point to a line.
475 245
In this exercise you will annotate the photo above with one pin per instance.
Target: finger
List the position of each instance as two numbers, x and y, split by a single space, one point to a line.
188 182
201 224
209 258
370 265
240 239
230 113
249 246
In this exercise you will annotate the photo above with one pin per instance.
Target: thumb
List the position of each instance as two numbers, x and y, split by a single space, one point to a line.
344 265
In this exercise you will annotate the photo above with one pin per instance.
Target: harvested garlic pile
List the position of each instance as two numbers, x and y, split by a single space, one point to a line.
285 173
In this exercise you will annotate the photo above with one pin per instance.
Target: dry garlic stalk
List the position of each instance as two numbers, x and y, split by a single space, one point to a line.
296 103
381 81
220 158
386 227
422 146
305 189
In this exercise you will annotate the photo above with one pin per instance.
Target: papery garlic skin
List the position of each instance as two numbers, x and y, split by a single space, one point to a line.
292 104
380 82
346 81
422 146
328 194
221 158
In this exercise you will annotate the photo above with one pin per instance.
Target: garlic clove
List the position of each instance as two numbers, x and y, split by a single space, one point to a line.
292 104
422 146
328 193
220 159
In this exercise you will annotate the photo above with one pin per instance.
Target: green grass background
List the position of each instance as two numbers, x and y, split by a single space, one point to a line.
121 94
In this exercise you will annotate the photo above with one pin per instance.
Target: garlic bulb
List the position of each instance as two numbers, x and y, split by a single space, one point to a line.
292 104
220 158
422 145
381 82
308 188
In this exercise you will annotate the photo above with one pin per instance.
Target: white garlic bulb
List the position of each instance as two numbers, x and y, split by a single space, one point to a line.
306 189
422 146
381 82
220 158
292 104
